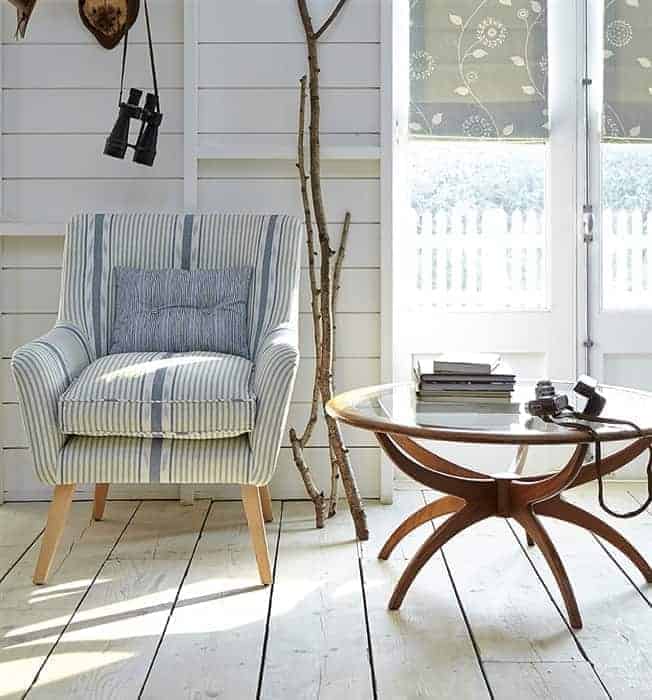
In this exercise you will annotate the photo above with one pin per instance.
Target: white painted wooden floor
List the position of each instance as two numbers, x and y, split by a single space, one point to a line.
162 601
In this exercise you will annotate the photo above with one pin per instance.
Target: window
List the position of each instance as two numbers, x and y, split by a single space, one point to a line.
477 154
627 156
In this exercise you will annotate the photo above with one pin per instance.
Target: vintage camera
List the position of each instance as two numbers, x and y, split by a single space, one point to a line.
548 402
150 118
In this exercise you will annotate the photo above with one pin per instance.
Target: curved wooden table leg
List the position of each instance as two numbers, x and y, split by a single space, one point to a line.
541 538
442 506
465 517
562 510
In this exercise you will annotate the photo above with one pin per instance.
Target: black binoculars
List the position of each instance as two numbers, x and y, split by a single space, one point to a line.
150 116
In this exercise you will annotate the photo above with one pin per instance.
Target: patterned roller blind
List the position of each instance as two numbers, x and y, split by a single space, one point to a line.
479 69
627 44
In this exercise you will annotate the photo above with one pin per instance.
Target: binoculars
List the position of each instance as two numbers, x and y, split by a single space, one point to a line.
150 116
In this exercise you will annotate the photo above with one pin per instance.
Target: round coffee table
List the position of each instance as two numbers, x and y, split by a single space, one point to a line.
392 414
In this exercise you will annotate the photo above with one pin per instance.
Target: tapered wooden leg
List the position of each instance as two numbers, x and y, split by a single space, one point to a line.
57 515
562 510
528 539
535 529
254 513
101 492
442 506
467 516
266 503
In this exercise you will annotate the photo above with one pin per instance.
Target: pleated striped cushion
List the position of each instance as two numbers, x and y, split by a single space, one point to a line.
197 395
181 311
127 460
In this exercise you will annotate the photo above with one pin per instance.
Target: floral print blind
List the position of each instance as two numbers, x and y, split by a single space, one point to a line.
479 69
627 113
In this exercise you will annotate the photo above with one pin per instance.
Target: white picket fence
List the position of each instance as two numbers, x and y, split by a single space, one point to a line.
470 258
626 234
465 258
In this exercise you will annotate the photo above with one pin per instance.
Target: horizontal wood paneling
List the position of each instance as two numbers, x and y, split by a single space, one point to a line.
31 252
281 65
239 111
262 21
59 199
220 65
87 66
61 156
66 111
17 329
57 21
232 111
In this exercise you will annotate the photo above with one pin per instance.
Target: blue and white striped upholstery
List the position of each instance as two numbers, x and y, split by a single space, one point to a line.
181 311
45 368
198 395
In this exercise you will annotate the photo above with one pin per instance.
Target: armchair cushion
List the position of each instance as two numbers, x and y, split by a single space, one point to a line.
181 310
198 395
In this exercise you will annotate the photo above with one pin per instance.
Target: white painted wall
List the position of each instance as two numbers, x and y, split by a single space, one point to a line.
58 104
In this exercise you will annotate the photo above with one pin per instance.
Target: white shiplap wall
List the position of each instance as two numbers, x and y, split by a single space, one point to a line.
58 104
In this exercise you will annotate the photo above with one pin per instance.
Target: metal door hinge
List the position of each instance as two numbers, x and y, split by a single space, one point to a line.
589 344
588 222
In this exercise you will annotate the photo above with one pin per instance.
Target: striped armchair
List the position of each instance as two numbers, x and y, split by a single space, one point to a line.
92 417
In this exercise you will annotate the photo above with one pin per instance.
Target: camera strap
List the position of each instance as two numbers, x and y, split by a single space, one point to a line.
151 59
569 419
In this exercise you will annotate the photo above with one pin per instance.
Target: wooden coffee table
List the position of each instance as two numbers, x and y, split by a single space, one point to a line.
472 494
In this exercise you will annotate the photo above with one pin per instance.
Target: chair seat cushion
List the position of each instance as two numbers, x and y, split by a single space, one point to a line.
196 395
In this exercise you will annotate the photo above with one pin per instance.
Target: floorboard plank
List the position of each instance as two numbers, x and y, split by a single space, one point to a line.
20 525
424 649
213 644
108 647
31 617
617 633
317 643
544 681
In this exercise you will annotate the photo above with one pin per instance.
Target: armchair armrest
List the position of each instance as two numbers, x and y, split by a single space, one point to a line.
43 369
275 369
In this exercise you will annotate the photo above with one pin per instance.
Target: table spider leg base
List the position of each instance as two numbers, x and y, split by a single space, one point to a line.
474 496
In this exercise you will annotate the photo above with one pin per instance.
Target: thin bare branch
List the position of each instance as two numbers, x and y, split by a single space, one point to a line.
305 18
316 496
339 260
331 18
312 254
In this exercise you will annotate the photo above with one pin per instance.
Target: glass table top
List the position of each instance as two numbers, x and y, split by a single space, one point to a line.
395 408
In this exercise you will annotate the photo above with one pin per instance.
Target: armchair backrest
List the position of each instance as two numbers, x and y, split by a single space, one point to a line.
98 243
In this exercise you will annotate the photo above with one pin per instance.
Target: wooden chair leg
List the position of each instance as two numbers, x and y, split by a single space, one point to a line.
266 503
57 515
101 492
254 513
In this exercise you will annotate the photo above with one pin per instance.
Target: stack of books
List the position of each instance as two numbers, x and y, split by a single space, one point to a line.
477 382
